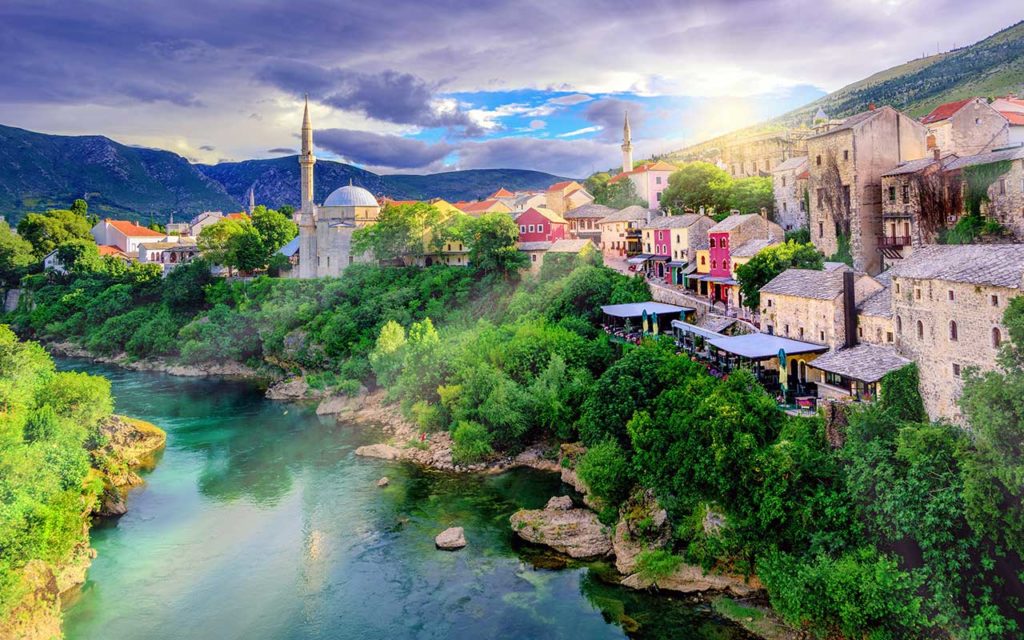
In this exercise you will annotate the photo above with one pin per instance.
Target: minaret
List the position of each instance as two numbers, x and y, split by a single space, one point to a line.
306 215
252 199
307 160
627 146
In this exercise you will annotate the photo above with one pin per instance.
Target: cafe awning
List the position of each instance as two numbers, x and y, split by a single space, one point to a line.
686 327
661 258
639 259
719 280
678 264
637 309
762 346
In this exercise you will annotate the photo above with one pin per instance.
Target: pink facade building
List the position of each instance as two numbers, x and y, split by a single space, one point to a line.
538 224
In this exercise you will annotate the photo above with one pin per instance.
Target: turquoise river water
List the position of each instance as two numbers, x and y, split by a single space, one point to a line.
259 522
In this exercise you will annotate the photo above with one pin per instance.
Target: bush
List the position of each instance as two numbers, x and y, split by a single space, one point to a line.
656 564
605 470
470 443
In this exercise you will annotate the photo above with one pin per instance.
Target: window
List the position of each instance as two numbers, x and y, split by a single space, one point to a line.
540 228
995 300
892 194
801 332
956 370
658 196
846 196
1002 186
821 197
783 180
657 180
784 207
952 331
897 288
997 338
905 193
920 330
950 294
888 336
860 332
846 155
817 161
522 228
712 243
703 260
821 230
821 335
531 228
714 264
768 301
899 324
917 293
787 329
328 261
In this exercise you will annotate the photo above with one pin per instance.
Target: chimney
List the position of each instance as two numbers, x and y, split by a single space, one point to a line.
937 153
849 309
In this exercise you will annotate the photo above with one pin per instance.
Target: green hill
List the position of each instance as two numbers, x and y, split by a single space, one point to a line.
992 67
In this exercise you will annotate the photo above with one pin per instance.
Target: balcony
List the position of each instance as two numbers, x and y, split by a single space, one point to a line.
893 242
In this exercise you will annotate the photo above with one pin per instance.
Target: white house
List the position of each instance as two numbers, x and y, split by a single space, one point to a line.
125 236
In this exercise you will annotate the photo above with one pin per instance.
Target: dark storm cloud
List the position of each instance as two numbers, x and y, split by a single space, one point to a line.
381 150
609 114
391 96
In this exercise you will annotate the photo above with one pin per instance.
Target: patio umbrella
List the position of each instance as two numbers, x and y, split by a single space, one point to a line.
654 322
643 321
782 371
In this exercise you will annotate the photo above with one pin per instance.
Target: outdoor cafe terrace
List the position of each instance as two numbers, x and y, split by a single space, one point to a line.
632 321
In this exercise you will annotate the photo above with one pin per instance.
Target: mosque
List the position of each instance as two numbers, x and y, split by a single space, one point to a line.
325 231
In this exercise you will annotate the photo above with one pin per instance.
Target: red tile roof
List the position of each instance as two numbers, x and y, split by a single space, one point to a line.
110 250
133 230
240 215
398 202
476 207
501 193
1016 119
660 165
944 111
558 186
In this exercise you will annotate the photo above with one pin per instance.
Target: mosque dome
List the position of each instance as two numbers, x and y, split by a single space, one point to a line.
350 196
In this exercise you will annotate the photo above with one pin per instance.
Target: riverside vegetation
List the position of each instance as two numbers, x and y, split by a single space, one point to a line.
63 456
900 529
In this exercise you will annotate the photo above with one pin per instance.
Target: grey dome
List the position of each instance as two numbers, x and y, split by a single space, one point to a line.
350 196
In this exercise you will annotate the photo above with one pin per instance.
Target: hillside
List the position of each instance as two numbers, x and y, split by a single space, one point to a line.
40 171
994 66
276 181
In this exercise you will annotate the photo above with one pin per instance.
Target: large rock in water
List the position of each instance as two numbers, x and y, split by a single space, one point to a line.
451 539
692 579
292 389
575 532
643 526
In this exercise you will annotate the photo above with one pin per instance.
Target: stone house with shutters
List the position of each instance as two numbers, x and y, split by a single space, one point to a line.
845 165
966 127
902 225
789 182
947 304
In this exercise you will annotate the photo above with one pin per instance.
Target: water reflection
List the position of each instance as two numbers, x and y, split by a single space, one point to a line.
259 522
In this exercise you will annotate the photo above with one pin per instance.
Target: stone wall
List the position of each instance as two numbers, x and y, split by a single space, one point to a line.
808 319
1006 196
941 359
789 198
875 329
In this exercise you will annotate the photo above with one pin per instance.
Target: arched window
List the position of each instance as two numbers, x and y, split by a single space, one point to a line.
997 337
952 330
920 330
899 324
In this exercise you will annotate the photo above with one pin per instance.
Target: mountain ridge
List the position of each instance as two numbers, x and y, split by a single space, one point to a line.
40 171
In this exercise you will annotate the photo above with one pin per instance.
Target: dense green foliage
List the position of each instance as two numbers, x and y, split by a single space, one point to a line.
47 420
617 195
247 244
702 184
770 262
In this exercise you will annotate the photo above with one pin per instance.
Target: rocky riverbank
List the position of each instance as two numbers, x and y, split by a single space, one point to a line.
127 445
226 368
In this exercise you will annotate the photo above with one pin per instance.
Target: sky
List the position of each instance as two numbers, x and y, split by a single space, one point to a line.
434 85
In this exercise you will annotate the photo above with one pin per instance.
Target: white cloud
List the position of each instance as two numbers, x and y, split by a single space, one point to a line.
579 132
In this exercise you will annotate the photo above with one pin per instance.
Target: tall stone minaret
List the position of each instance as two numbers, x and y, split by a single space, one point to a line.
252 199
306 216
627 146
307 160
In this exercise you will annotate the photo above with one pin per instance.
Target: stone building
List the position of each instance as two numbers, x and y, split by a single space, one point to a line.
758 155
325 231
948 303
874 315
1006 193
903 228
966 127
789 183
810 305
583 221
846 164
566 196
620 231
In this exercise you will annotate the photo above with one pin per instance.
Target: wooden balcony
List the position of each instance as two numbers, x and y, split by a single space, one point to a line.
892 242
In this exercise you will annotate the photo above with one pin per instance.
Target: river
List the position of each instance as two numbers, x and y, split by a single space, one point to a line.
259 522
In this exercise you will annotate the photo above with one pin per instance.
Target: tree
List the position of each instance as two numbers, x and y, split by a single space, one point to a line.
622 193
386 358
80 207
772 261
597 186
15 254
696 185
274 228
399 232
47 231
750 195
80 256
233 244
493 241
